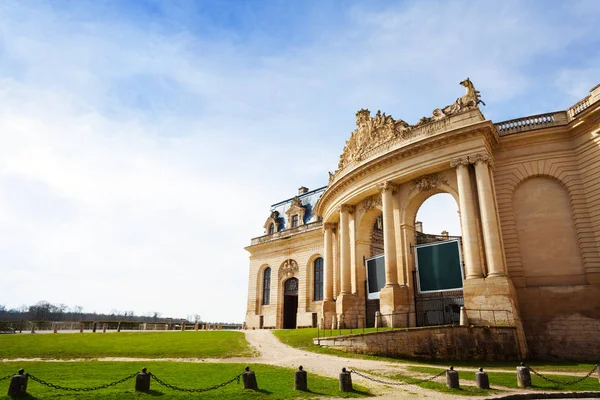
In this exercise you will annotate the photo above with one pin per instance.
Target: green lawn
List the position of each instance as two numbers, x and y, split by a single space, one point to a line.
218 344
509 379
273 382
303 339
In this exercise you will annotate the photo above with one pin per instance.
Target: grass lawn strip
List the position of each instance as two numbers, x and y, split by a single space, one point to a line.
273 382
220 344
509 379
303 339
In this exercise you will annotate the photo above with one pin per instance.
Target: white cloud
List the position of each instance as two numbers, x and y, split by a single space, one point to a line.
136 162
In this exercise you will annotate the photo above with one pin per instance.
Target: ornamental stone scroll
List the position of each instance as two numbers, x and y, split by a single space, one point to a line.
288 268
483 157
347 208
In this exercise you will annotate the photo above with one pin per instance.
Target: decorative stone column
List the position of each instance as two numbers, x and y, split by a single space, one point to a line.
389 238
489 217
328 305
345 301
467 218
345 210
391 296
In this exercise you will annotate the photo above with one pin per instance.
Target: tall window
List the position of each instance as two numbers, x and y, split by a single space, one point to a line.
318 279
294 221
271 229
267 286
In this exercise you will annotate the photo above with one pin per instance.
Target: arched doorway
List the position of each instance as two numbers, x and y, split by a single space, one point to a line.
290 303
439 273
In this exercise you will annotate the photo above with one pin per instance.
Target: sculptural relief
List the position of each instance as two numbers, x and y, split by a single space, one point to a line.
374 131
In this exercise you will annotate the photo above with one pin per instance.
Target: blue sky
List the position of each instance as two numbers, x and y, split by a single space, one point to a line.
142 142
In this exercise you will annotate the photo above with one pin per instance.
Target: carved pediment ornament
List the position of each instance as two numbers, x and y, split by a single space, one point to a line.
374 131
288 268
428 182
371 202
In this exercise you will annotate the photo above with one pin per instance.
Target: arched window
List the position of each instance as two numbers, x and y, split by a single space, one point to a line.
318 279
271 229
266 286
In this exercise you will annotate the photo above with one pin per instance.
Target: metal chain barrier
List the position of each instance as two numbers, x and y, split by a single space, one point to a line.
87 389
563 383
398 383
5 378
161 382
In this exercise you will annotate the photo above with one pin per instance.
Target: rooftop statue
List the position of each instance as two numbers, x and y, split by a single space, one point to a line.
374 131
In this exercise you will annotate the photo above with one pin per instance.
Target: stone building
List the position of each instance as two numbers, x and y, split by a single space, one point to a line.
528 192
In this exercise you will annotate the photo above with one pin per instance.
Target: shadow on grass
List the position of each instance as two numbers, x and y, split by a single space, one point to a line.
155 393
25 396
363 393
263 391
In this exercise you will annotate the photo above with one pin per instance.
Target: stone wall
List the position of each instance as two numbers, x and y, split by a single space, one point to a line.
433 343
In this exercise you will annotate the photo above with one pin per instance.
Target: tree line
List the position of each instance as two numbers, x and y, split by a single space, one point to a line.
45 311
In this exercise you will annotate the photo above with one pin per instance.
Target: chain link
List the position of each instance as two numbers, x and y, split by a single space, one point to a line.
560 383
206 389
87 389
398 383
5 378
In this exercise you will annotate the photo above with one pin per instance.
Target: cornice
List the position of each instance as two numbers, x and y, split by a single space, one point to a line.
390 155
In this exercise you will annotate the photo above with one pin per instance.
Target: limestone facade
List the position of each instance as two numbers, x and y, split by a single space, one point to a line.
528 192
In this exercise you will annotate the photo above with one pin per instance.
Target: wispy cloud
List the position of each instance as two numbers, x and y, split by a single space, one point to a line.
141 144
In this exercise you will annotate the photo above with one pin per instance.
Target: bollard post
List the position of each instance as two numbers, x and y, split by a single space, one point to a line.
81 328
483 382
18 384
55 328
104 328
377 318
196 327
464 319
94 325
182 326
345 381
32 328
523 376
300 379
249 379
119 327
142 381
452 379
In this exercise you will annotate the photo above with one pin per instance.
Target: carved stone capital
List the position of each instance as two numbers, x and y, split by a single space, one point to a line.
385 186
480 157
457 162
428 182
329 225
347 208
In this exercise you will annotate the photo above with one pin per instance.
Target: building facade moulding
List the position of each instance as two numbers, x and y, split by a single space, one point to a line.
387 186
429 182
329 225
482 129
346 208
370 203
288 269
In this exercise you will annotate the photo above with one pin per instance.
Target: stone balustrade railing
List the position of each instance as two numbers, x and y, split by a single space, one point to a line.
286 233
579 107
531 123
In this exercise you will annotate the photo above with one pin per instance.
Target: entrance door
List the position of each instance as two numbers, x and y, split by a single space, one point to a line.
290 303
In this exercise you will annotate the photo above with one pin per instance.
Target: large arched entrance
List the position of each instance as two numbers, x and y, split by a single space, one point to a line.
439 269
290 303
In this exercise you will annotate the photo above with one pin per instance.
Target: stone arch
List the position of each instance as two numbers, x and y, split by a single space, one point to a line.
545 227
408 213
565 173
